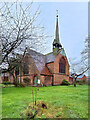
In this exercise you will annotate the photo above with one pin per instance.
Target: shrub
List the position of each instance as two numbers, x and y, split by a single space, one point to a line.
65 82
6 82
84 81
26 80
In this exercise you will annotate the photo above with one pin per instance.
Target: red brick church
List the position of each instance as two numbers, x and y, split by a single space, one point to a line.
49 69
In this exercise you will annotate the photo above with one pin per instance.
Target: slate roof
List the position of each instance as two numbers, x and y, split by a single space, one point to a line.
40 60
50 57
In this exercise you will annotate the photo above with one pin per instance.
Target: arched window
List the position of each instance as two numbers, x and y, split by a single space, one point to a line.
62 65
26 69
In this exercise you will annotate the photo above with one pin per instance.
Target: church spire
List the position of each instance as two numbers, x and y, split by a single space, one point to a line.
56 42
57 29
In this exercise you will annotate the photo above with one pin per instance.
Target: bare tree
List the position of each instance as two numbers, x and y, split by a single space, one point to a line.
80 67
19 29
86 53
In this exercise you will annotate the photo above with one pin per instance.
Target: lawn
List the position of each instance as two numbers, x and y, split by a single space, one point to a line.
73 101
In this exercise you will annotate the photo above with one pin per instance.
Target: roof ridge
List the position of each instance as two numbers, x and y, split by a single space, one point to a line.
34 51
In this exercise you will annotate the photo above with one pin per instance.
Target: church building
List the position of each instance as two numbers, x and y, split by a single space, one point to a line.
49 69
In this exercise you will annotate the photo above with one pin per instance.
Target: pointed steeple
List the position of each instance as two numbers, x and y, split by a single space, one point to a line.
57 30
56 42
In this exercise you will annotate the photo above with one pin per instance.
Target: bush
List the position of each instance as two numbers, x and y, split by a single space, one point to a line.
6 82
26 80
65 82
84 81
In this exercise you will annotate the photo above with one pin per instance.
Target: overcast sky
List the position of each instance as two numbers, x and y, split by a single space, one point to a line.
73 24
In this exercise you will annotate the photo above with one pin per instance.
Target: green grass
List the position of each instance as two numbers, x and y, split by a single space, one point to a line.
73 101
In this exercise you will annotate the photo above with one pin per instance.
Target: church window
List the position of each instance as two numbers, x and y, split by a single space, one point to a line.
26 69
62 66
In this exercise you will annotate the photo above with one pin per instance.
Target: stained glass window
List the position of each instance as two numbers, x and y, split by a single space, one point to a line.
62 66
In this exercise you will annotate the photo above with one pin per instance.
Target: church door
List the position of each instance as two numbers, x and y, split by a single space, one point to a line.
35 80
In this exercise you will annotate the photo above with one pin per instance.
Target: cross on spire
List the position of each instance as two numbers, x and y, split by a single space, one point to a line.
57 13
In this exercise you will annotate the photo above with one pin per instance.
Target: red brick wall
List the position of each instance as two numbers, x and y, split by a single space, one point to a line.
22 77
54 68
56 65
49 82
58 78
32 70
42 79
51 67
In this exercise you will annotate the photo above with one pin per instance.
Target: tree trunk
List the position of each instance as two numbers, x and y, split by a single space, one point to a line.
15 80
75 82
